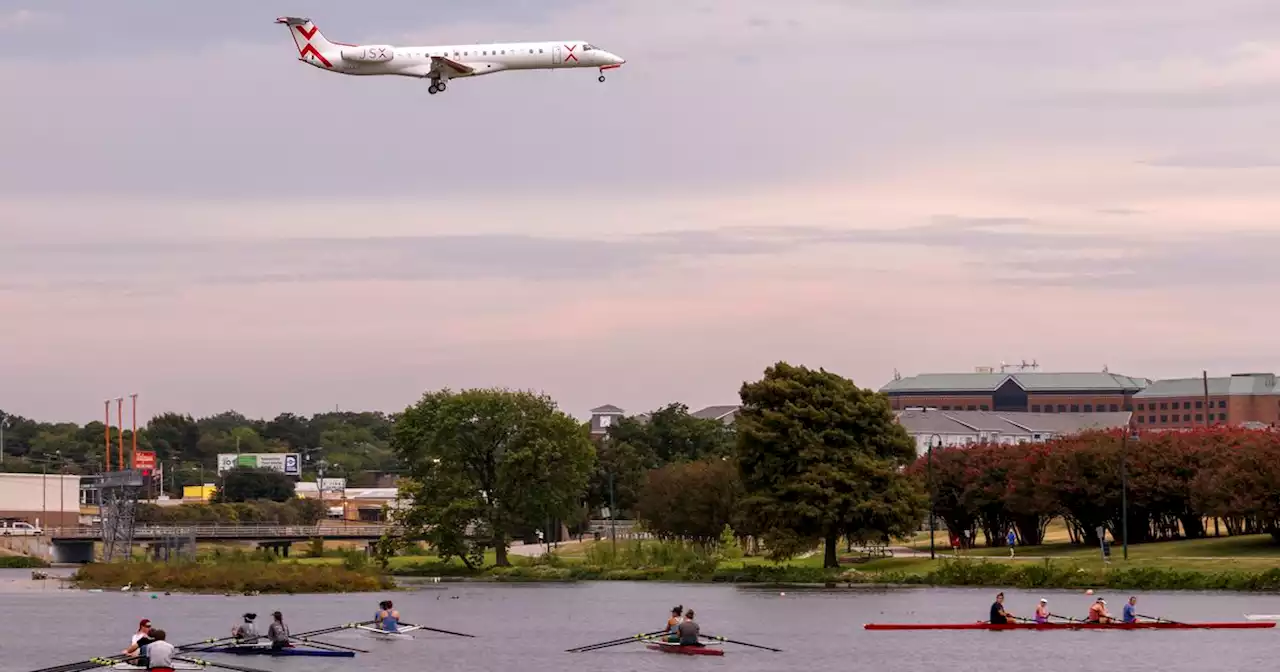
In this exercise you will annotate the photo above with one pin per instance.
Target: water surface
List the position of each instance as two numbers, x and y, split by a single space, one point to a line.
526 627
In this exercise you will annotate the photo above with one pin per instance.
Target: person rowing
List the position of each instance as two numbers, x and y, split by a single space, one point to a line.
387 618
246 632
1130 614
998 615
1042 612
673 624
1098 613
278 632
137 643
688 630
159 653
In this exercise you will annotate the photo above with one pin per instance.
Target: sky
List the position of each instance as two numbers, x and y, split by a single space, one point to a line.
189 213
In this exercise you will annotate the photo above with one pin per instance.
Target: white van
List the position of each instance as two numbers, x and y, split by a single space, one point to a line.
17 528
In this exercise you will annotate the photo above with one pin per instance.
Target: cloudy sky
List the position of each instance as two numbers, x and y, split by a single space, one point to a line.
189 213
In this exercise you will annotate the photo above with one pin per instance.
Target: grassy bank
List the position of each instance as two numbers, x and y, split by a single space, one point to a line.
222 575
21 562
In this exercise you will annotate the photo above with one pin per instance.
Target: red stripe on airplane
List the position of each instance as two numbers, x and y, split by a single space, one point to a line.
312 50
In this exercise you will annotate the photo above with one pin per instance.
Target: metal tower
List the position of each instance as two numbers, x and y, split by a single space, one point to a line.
118 506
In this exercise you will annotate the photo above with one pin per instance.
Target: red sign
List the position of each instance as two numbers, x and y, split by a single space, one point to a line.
144 460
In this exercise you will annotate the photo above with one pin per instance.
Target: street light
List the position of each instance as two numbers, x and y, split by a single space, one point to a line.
1124 488
932 498
4 420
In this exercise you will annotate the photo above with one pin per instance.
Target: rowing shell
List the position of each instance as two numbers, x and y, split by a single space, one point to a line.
402 633
702 650
1263 617
177 665
266 650
1145 625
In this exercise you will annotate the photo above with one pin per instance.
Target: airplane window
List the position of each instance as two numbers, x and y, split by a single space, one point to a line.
587 47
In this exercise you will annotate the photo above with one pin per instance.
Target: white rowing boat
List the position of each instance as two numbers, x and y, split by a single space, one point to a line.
402 633
1262 617
177 665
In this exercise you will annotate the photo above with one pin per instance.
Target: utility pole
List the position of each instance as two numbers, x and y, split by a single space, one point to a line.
613 516
106 432
1124 491
4 420
120 433
932 498
133 455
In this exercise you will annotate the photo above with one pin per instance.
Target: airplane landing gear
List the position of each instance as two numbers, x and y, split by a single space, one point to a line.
436 87
601 78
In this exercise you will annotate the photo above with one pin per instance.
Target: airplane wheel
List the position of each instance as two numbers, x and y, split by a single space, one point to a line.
433 89
601 78
441 86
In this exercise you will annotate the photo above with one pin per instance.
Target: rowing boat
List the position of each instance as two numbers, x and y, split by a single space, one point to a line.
1263 617
1144 625
177 665
401 633
701 650
266 650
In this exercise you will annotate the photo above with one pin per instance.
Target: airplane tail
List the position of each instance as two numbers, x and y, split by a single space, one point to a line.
311 43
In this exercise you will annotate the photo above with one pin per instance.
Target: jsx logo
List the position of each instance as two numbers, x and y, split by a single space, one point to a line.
571 54
309 48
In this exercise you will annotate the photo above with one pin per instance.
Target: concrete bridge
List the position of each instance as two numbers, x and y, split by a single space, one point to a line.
76 544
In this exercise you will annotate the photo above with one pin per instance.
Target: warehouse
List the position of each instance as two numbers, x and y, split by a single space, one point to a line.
44 500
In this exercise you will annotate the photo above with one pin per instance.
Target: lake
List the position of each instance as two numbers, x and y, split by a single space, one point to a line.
526 627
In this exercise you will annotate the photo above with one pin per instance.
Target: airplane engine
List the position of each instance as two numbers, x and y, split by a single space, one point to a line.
378 53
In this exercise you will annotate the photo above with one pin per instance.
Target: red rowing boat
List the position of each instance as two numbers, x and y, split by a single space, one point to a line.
690 650
1145 625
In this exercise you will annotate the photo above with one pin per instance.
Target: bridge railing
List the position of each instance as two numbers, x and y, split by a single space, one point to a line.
223 531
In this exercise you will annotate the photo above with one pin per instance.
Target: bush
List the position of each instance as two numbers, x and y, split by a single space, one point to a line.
233 573
21 562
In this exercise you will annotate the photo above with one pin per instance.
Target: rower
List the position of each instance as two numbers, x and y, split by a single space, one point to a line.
1130 614
1098 612
998 615
278 632
388 618
688 630
247 632
1042 612
159 653
673 623
140 640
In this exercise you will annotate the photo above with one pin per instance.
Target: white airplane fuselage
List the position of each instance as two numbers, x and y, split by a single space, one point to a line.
442 63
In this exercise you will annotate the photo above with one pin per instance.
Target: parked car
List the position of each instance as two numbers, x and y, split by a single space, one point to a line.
18 528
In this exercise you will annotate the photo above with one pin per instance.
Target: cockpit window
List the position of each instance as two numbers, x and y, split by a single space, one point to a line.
587 47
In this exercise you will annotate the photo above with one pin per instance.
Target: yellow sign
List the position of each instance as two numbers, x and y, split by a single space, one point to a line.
201 492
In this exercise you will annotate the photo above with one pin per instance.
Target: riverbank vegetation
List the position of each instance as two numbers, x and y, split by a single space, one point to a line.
234 573
21 562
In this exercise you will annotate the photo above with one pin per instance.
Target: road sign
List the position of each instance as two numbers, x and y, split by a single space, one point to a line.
288 464
144 460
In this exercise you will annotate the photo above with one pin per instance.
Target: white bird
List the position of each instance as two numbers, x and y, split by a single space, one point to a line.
127 587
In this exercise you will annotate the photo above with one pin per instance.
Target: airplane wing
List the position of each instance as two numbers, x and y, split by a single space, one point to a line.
441 65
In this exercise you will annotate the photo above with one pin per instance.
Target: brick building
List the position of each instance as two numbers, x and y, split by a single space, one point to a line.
1034 392
1180 403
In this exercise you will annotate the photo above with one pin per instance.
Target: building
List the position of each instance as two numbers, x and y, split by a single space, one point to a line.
1028 392
961 428
354 504
44 500
603 417
1250 399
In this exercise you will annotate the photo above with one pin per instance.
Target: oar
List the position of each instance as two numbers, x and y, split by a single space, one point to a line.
311 642
80 666
734 641
616 642
1161 620
446 632
1067 618
224 666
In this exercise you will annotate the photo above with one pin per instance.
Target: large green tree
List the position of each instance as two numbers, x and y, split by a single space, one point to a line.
691 500
481 463
247 485
820 458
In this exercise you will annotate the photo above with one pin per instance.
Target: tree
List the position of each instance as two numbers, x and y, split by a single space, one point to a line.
815 451
480 463
691 500
246 485
672 434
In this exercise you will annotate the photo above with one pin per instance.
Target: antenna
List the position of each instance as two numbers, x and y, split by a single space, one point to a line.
1105 369
896 375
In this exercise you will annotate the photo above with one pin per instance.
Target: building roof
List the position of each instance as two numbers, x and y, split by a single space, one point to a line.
1220 386
725 413
608 409
1012 423
1031 382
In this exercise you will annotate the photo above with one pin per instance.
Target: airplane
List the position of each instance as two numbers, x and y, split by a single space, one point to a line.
442 63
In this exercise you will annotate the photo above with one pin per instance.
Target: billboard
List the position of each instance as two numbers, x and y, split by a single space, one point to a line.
290 464
144 461
332 484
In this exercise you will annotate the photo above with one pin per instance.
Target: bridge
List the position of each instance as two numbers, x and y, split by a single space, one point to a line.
76 544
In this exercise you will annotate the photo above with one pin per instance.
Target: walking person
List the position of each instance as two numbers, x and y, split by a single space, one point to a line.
1012 538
